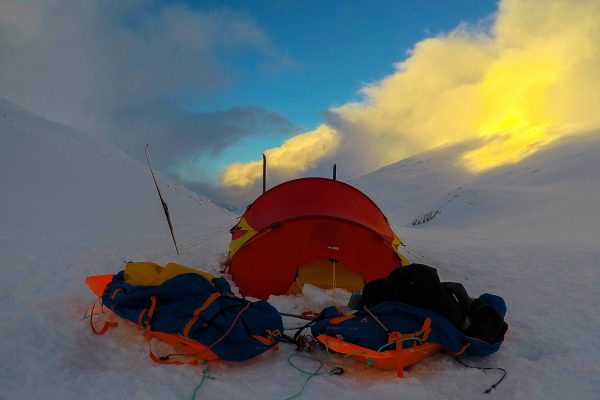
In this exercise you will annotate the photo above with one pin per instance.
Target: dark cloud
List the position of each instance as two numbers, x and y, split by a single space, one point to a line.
178 135
76 60
119 70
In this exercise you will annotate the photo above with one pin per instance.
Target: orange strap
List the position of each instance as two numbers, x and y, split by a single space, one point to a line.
339 320
148 334
422 333
165 360
462 349
269 339
395 336
213 297
196 315
139 319
425 330
398 337
107 324
115 293
149 317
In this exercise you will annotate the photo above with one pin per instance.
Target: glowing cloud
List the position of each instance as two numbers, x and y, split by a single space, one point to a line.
517 87
295 155
527 78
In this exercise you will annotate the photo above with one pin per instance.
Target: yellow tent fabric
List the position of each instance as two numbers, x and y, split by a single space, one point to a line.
395 244
248 233
151 274
320 273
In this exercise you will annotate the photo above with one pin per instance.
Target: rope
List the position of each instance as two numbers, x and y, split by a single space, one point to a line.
237 317
205 376
371 359
311 374
105 327
333 291
198 240
211 233
88 313
197 354
504 373
408 248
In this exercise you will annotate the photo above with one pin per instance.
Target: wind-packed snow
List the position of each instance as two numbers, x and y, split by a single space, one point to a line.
73 207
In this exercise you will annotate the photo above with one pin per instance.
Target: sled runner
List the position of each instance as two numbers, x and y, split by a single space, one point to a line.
398 358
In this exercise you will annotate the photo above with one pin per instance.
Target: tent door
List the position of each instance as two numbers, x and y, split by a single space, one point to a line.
320 273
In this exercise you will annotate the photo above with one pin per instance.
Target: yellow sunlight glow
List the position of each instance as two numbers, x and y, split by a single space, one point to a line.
509 89
294 155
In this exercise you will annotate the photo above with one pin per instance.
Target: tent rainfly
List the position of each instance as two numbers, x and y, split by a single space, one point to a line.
311 230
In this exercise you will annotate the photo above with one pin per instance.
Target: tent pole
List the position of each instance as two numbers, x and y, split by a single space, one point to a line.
162 201
264 173
334 172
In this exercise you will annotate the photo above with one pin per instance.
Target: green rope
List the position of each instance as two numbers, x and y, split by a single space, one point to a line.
399 340
371 359
205 376
355 353
309 373
326 348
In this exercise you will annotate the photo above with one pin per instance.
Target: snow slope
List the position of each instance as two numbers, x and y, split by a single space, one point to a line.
72 207
530 232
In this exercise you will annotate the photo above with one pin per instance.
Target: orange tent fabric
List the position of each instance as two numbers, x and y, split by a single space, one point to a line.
307 219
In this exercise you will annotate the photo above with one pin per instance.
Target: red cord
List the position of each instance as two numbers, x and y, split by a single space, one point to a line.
105 327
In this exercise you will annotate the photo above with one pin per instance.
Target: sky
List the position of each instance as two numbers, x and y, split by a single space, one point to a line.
212 85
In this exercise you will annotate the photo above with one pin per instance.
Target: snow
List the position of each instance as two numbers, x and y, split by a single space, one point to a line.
73 207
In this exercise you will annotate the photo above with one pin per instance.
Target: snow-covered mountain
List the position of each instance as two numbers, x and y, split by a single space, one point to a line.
73 206
57 179
551 196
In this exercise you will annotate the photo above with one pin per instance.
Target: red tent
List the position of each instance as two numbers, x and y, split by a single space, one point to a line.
321 230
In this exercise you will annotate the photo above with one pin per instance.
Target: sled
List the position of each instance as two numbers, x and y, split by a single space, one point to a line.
397 359
98 283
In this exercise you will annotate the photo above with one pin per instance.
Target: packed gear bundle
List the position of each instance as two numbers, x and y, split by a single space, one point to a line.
412 315
402 319
192 310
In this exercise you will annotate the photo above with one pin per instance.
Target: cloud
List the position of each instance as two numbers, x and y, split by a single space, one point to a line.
121 69
512 85
71 60
180 137
296 154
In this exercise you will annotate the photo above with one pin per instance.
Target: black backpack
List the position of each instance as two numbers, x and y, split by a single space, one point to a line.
419 285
